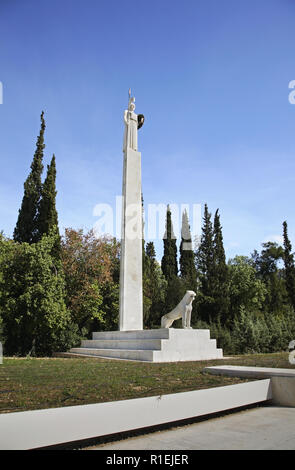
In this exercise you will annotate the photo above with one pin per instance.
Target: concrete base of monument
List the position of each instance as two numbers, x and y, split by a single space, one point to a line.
161 345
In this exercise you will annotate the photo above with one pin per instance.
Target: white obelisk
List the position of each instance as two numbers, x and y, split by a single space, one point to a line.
131 314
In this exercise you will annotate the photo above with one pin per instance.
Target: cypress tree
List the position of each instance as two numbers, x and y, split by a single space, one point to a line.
205 266
169 266
205 255
47 220
26 229
221 283
47 217
187 258
151 253
289 266
154 291
169 259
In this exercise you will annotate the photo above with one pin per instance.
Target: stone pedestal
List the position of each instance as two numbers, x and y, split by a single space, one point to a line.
131 312
161 345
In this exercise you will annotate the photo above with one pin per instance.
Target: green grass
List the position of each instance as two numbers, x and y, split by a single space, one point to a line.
37 383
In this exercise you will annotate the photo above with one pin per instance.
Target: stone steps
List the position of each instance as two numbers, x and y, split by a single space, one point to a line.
161 345
131 354
130 344
160 333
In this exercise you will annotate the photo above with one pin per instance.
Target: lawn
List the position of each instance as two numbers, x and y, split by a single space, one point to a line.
37 383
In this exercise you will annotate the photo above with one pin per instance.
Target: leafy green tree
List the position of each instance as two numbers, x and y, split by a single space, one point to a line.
289 266
244 287
266 265
91 272
35 317
26 229
245 336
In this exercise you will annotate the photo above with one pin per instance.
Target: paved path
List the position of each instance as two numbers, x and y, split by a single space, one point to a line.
268 427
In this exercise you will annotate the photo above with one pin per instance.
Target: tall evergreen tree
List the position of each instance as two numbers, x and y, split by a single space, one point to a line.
169 259
47 217
187 258
205 255
169 266
26 229
154 289
47 220
289 266
220 283
151 253
205 267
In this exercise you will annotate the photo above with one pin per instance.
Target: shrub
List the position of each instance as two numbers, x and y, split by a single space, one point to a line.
32 307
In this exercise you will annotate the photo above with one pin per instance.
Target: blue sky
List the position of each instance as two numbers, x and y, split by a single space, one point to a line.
211 78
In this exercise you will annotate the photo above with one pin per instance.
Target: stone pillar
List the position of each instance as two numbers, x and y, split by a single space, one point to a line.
131 313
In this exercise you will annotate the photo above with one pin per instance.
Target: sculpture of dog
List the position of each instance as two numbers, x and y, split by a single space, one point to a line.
182 310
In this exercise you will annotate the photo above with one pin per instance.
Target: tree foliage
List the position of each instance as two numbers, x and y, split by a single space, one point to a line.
267 269
154 289
47 220
245 290
169 260
220 281
32 292
26 229
289 266
91 273
205 268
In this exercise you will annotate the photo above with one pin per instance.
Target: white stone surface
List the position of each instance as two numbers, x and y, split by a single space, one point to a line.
40 428
161 345
283 389
246 371
131 312
282 380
